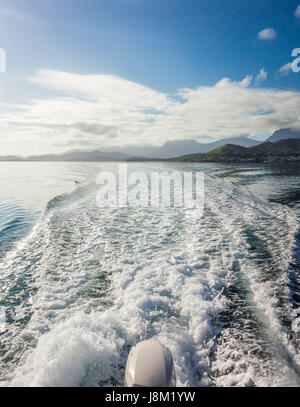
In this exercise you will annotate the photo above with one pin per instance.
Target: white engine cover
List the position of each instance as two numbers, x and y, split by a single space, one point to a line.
150 364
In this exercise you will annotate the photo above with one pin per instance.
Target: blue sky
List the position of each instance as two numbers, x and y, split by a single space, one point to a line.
156 46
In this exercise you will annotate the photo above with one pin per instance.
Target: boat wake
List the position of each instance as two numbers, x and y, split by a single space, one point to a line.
220 291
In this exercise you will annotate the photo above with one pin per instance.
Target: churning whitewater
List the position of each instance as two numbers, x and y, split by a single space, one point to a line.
87 283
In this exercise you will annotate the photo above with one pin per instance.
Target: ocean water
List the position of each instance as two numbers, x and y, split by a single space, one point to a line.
80 285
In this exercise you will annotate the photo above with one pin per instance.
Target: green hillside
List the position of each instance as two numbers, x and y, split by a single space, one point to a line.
290 144
283 150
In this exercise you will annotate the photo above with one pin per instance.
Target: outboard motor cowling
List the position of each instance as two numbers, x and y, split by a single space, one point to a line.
150 364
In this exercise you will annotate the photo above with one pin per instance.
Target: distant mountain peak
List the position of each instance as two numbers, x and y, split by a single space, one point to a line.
284 134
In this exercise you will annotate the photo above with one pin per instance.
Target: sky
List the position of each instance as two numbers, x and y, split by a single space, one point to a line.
86 74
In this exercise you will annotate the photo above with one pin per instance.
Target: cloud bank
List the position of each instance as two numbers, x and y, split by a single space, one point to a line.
94 111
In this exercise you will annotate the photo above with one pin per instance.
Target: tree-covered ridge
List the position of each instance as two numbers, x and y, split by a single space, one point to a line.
283 150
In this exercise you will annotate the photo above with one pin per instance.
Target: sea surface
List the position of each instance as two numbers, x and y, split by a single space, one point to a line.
80 284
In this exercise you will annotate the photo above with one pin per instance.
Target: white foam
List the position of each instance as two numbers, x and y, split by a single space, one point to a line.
161 274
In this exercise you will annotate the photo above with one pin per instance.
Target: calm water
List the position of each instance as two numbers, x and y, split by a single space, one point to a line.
80 285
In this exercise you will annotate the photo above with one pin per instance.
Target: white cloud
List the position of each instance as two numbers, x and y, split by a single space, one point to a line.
261 76
91 111
112 90
285 69
297 12
267 34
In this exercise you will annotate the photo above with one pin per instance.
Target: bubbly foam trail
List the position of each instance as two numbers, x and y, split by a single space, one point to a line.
95 281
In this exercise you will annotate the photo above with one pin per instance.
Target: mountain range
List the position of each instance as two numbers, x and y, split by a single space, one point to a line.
282 150
75 155
168 150
180 147
284 134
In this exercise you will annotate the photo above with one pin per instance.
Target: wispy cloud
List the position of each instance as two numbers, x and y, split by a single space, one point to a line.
102 110
261 77
297 12
20 15
284 70
267 34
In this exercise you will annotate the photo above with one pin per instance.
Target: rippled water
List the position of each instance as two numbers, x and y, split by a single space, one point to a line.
80 285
